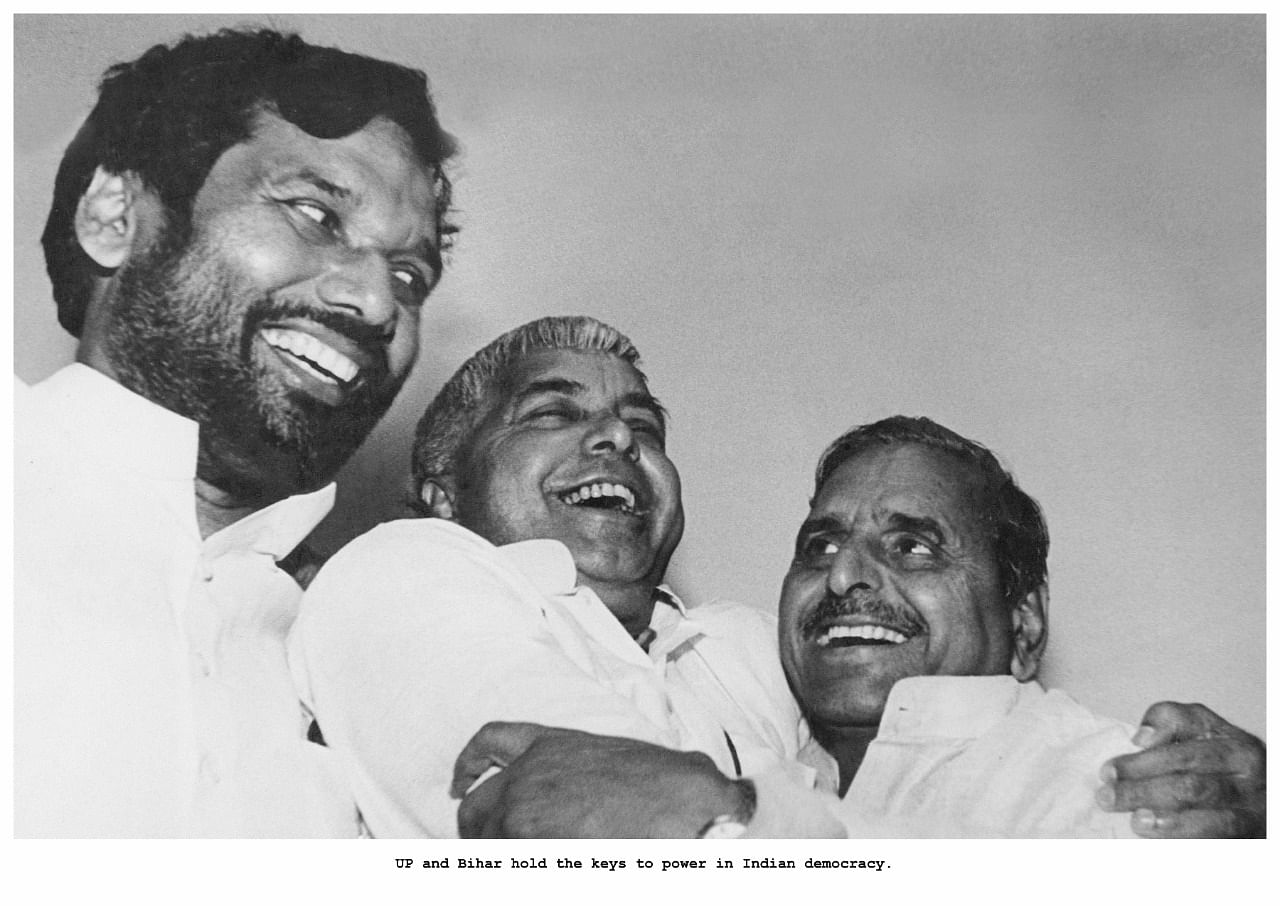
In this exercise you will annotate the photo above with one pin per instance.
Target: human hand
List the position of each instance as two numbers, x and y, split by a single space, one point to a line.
563 783
1197 776
495 745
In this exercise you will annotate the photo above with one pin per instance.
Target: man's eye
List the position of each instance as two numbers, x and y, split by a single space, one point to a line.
413 281
318 213
816 548
909 546
646 428
551 417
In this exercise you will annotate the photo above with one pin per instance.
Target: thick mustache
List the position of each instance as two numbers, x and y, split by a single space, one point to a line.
860 602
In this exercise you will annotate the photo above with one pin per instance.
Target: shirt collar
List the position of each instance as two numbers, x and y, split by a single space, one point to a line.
821 766
548 564
961 707
275 530
127 431
130 432
670 615
942 706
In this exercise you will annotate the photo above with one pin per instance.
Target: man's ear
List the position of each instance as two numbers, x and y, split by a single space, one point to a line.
1030 618
437 494
107 217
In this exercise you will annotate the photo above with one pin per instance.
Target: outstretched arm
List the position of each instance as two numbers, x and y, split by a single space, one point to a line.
560 783
563 783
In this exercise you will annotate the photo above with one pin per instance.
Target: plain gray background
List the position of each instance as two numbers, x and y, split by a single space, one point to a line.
1045 232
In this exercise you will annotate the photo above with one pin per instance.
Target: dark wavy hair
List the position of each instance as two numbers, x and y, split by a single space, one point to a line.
1012 517
170 114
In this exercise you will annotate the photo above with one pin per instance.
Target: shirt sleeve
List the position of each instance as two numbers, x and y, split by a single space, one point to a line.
409 640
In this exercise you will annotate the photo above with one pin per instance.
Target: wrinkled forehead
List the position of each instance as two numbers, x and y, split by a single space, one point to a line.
905 480
582 373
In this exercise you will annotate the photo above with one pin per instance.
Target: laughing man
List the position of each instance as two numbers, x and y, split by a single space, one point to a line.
241 237
536 591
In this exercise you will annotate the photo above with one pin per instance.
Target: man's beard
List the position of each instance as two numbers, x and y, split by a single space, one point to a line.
182 335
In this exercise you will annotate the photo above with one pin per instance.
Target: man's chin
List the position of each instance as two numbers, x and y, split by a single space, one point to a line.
288 454
852 701
846 715
608 567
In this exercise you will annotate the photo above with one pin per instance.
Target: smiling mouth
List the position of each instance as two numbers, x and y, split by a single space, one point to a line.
849 636
602 495
314 357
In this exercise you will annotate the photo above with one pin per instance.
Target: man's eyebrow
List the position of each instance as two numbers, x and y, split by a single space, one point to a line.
327 186
918 525
549 385
820 524
638 399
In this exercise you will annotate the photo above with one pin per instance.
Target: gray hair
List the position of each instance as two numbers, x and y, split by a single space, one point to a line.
1014 520
451 417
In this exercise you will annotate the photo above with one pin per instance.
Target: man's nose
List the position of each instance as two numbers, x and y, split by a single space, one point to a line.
851 568
360 284
610 434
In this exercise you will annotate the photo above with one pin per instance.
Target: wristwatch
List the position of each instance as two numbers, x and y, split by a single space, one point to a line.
731 825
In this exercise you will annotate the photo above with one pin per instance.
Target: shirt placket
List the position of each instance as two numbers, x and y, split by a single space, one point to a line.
246 716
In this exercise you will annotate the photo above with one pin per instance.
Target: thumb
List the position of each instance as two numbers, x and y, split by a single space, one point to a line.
495 745
1166 722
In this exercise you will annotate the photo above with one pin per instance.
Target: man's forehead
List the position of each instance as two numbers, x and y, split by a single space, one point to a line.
379 152
373 175
570 371
902 479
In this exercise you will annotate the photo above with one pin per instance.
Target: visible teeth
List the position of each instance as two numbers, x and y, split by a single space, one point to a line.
873 633
602 489
307 347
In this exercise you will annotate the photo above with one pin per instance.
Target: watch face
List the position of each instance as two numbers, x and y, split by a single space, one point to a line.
725 827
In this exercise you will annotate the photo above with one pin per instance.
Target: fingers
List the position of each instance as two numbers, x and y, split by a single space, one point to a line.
1204 823
1207 778
496 744
1230 751
1212 756
1174 721
1169 792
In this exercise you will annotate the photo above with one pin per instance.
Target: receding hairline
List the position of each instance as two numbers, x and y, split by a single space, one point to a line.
967 483
506 382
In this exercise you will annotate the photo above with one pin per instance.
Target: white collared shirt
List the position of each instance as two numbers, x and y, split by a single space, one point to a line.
420 631
982 756
152 696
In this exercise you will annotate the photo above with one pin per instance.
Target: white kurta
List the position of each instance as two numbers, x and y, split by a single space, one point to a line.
152 696
420 631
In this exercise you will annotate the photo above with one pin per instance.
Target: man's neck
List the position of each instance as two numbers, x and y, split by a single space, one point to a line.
631 604
232 483
216 509
848 746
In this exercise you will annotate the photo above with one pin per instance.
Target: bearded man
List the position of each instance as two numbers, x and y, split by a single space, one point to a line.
242 236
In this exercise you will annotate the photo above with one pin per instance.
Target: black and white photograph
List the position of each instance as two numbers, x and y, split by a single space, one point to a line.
510 435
